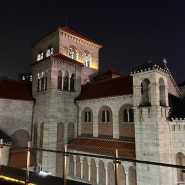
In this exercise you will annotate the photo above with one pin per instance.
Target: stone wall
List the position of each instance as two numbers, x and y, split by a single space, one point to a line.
114 104
15 116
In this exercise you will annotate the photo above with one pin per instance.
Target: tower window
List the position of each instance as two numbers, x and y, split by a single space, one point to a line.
145 93
49 51
87 59
72 82
73 53
40 55
59 79
42 82
66 81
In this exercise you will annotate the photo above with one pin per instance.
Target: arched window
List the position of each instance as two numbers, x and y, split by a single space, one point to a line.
180 160
73 53
59 79
39 85
87 59
42 82
131 115
162 92
87 116
105 116
145 92
128 115
49 51
125 115
40 55
72 82
66 81
70 53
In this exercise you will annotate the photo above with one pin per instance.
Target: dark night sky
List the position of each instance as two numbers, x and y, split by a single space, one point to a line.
131 32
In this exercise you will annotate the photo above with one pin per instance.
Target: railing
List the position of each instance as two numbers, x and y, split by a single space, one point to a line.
116 160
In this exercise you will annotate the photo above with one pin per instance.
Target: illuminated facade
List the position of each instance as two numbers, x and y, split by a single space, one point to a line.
140 115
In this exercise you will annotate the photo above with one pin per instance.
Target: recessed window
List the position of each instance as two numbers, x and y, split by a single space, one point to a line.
49 51
59 79
73 53
87 116
87 60
72 82
145 93
128 115
66 81
105 116
42 82
40 55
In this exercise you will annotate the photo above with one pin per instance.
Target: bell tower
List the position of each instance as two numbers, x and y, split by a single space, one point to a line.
62 61
152 134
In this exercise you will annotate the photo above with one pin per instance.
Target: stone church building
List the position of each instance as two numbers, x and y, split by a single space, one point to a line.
140 115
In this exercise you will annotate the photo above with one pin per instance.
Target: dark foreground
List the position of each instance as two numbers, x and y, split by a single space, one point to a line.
35 178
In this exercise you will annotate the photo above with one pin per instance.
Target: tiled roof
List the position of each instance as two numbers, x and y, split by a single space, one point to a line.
17 90
18 159
110 73
108 88
6 139
103 146
177 108
61 56
148 66
72 32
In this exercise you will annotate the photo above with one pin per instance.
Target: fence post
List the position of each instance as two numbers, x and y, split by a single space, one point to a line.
28 163
64 164
1 154
116 162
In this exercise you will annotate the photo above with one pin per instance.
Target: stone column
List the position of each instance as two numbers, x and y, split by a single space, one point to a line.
97 173
89 171
115 127
126 176
106 175
74 159
95 122
69 81
81 165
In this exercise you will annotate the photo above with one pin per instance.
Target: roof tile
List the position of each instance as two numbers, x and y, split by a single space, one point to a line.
16 90
68 30
107 88
103 146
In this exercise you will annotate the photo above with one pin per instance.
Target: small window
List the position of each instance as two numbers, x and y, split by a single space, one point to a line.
42 83
87 116
105 116
128 115
125 115
87 60
75 55
70 53
40 55
49 51
72 82
59 79
66 81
